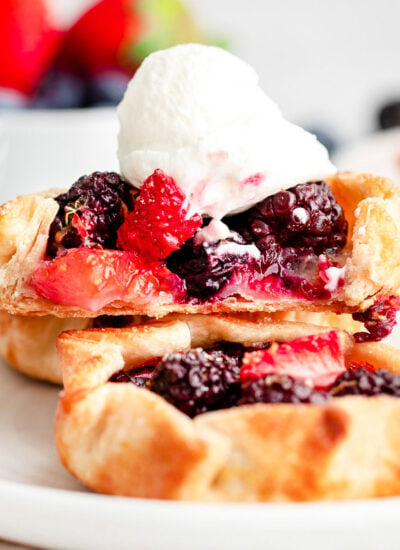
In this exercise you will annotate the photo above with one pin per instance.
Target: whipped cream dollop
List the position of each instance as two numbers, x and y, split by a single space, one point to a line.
198 113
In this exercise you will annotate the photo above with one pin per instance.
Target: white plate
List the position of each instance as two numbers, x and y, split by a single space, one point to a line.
42 505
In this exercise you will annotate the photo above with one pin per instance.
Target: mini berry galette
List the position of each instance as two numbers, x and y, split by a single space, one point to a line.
212 407
105 248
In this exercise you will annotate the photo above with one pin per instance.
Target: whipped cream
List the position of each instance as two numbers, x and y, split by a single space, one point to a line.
198 113
334 277
213 232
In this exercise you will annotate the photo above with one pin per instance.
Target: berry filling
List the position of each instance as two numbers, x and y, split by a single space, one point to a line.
305 370
318 359
275 388
297 235
138 376
206 268
379 320
90 213
363 380
92 278
286 246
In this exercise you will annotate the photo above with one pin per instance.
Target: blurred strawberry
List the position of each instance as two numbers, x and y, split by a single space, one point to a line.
28 43
121 33
95 41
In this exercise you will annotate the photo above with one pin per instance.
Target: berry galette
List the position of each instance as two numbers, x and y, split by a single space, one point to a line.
212 407
105 248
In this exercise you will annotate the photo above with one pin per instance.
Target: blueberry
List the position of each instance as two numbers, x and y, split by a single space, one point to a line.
108 87
60 90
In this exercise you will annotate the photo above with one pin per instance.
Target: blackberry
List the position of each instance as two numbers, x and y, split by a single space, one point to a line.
281 389
379 320
139 376
197 381
90 213
204 269
306 215
297 267
291 229
364 381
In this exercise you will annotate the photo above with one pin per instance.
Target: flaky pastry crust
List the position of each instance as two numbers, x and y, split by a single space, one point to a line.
371 205
124 440
29 343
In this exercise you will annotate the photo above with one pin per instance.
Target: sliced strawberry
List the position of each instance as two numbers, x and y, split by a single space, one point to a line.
92 278
28 43
319 359
159 223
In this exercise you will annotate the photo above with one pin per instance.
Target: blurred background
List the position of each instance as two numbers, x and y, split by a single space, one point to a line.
64 64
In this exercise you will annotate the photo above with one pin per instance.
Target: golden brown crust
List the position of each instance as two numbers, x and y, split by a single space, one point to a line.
346 449
372 265
183 458
120 439
29 343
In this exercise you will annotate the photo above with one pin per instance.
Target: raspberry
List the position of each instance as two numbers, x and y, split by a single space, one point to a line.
197 381
274 388
159 223
366 381
379 320
90 213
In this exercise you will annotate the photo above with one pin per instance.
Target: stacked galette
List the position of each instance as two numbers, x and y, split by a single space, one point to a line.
240 392
220 408
105 248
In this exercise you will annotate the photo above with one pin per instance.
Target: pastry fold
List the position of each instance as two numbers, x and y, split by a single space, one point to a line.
371 259
125 440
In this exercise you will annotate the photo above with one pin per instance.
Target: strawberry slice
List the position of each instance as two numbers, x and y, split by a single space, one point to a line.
121 33
92 278
318 359
160 221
